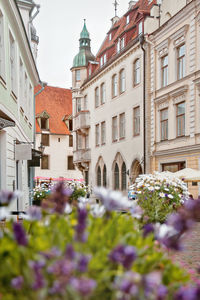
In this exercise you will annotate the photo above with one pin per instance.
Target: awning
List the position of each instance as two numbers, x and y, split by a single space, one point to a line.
59 179
5 121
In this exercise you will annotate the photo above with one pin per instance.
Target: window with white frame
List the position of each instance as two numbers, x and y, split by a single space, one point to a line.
87 142
103 93
2 50
79 141
118 45
78 75
21 81
110 36
97 137
122 125
85 102
78 105
105 58
122 43
114 129
12 63
164 124
96 95
127 19
136 121
122 81
181 61
136 67
103 133
101 61
140 29
114 85
180 119
164 70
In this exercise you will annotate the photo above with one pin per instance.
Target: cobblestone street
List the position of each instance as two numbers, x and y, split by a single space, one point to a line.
190 257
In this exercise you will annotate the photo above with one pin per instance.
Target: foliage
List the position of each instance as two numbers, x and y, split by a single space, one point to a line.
77 193
40 193
79 256
159 195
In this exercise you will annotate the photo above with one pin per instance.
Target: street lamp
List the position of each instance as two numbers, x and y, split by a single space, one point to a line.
41 149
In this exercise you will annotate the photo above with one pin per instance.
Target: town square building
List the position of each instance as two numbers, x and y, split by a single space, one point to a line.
18 76
54 133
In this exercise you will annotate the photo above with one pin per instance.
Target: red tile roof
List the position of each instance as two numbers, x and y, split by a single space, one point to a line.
57 102
137 12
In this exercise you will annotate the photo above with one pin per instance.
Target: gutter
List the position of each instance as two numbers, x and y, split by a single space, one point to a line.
142 41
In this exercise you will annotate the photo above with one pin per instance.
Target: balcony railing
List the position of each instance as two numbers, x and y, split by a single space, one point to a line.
82 120
82 155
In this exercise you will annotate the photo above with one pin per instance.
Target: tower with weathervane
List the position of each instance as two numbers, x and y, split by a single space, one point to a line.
81 114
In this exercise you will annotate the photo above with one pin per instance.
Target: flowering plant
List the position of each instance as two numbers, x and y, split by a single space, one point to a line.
59 253
39 193
159 195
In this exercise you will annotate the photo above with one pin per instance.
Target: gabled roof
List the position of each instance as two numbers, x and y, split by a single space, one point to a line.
141 8
56 103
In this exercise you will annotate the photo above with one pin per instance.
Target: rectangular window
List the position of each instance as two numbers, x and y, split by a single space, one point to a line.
97 135
173 167
96 97
114 85
25 93
70 140
78 105
140 29
13 63
86 142
45 139
30 104
85 102
70 125
44 123
122 81
105 58
103 93
79 142
164 124
103 133
127 19
137 72
181 61
70 164
180 119
136 121
2 50
101 61
114 129
78 75
122 43
45 162
110 36
118 46
21 82
122 125
164 70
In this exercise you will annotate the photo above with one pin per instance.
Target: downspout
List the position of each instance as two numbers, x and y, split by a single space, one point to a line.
142 40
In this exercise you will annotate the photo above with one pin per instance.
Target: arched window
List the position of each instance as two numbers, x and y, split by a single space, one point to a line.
123 176
122 81
114 85
136 72
97 97
116 177
104 176
98 176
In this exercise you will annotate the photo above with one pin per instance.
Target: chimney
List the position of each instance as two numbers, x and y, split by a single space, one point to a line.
131 4
114 20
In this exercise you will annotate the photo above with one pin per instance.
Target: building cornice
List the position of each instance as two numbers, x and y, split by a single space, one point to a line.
178 150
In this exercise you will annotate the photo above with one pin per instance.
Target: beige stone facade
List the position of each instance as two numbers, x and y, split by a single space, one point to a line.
174 75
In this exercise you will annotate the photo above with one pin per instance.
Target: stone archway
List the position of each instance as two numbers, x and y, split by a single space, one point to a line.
136 169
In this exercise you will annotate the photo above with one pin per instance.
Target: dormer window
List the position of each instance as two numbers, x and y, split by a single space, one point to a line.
127 19
105 58
101 61
90 71
122 43
118 46
110 36
43 120
44 124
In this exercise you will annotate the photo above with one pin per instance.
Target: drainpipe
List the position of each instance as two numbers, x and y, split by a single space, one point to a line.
142 41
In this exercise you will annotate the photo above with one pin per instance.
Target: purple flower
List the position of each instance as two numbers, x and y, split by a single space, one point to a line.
34 213
17 282
39 278
124 255
54 252
70 253
19 234
61 267
6 197
84 286
57 288
83 263
162 292
193 209
179 222
188 293
147 229
81 226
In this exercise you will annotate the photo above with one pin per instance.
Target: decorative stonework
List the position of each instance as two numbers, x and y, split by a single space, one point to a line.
5 123
163 48
179 94
179 36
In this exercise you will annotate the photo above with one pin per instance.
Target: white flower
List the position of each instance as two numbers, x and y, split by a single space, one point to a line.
162 195
151 188
97 210
170 196
164 230
166 189
157 188
68 208
3 213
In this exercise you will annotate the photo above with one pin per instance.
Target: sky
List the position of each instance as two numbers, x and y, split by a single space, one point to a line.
58 26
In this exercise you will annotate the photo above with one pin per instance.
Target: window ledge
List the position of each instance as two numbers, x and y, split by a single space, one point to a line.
115 141
135 135
13 96
122 138
2 81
